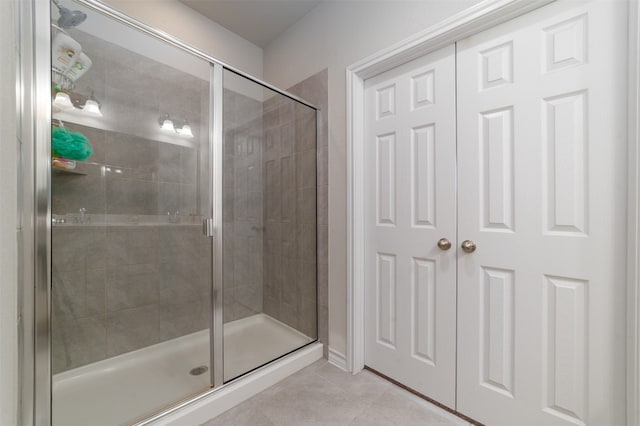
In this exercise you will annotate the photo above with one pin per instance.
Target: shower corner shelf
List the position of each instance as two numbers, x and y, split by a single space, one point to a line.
63 171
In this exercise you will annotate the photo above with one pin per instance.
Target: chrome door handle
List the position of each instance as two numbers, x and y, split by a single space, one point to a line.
444 244
468 246
207 227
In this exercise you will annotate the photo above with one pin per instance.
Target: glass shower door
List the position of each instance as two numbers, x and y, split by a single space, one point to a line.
131 267
269 225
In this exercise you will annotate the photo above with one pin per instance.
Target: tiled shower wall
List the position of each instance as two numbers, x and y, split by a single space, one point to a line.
141 280
295 188
121 288
126 286
315 90
126 278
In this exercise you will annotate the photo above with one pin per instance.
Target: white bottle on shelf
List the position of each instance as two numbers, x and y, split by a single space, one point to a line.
64 52
80 67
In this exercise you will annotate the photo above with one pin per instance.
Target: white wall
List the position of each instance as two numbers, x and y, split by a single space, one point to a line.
195 29
8 219
335 35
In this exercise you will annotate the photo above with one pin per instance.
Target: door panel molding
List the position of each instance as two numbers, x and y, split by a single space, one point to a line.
410 191
567 250
471 21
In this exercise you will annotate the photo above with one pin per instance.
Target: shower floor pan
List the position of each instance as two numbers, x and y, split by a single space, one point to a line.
125 388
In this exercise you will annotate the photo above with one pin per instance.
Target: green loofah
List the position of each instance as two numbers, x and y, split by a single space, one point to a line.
74 146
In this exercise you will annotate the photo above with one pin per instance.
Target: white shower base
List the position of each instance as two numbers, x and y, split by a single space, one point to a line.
122 389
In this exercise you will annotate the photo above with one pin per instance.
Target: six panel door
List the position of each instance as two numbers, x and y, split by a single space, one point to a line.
410 204
542 194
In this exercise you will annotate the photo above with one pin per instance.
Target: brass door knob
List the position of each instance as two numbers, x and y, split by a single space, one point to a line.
468 246
444 244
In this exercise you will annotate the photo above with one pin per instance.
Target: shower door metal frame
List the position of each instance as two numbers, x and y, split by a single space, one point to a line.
216 150
36 378
35 256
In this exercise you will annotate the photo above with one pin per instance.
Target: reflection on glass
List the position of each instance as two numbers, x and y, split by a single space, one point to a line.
269 225
130 265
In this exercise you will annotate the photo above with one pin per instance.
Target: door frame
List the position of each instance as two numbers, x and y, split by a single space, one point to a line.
473 20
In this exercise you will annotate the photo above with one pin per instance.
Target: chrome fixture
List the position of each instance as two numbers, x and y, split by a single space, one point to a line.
444 244
185 129
69 18
167 125
70 102
92 106
174 217
468 246
61 80
56 221
62 102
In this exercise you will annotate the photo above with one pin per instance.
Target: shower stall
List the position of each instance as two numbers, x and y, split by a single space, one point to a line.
178 242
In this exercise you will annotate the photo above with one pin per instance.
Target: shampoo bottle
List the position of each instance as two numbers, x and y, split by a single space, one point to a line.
80 67
64 52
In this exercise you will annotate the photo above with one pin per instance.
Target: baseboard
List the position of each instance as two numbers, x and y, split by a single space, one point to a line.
232 394
337 359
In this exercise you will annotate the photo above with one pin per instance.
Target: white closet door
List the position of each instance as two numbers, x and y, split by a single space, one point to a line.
542 181
410 204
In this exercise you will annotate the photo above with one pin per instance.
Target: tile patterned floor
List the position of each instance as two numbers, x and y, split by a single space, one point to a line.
322 394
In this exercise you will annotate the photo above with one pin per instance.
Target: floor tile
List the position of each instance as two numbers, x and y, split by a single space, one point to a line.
399 407
245 414
309 398
362 385
322 394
